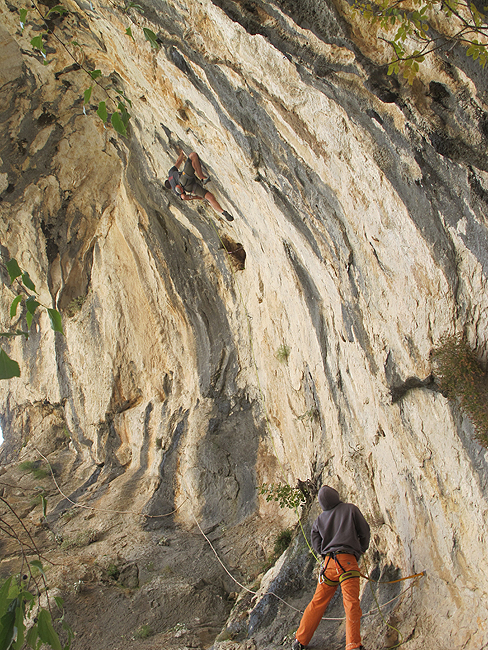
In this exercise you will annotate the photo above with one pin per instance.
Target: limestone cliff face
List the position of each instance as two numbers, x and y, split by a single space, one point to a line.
361 206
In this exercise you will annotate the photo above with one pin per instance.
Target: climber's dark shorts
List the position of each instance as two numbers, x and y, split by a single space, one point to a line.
189 181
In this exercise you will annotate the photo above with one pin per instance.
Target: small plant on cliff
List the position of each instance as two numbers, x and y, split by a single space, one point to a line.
311 415
35 468
83 539
75 306
113 572
461 377
143 632
284 494
283 352
282 542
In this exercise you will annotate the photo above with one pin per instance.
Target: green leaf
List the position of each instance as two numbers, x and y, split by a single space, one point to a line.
55 318
8 369
151 37
4 592
102 112
31 304
134 5
38 565
12 335
59 602
13 306
13 269
7 627
38 43
87 95
19 624
69 633
58 9
46 630
123 97
28 318
27 596
118 124
128 31
123 113
28 282
22 16
94 74
31 637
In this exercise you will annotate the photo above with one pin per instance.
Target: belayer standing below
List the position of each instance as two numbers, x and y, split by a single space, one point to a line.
340 535
187 186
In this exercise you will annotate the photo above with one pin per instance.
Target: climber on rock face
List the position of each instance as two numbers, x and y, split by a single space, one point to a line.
340 535
187 186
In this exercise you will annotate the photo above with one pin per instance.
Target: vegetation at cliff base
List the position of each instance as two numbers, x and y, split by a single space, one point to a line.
26 609
461 377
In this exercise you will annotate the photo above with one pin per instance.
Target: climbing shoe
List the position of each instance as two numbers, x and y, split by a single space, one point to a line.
296 645
228 216
206 180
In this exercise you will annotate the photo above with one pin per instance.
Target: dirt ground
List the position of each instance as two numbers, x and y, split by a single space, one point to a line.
124 586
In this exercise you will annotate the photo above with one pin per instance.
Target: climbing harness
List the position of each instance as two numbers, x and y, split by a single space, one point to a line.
345 575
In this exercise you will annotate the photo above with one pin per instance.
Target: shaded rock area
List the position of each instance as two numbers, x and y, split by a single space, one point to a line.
203 358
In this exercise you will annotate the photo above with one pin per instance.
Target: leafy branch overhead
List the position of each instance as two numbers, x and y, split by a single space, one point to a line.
8 367
413 30
120 116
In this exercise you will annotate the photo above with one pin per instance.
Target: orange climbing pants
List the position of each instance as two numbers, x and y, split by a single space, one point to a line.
322 597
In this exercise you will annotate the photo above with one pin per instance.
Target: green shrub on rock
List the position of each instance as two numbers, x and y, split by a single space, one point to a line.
461 377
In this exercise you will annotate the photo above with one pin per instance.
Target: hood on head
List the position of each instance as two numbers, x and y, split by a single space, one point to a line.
328 497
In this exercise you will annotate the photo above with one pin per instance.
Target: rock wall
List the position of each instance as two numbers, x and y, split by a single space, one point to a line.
360 203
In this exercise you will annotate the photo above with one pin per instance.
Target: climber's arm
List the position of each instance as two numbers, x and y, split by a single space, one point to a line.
179 160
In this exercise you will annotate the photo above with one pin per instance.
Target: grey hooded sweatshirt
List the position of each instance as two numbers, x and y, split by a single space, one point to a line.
341 527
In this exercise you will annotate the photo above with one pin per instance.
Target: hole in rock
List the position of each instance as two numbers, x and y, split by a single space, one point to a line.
236 253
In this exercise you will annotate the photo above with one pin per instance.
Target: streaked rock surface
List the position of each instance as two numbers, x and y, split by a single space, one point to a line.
361 206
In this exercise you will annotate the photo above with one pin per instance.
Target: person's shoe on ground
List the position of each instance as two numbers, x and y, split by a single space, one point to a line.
229 217
296 645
